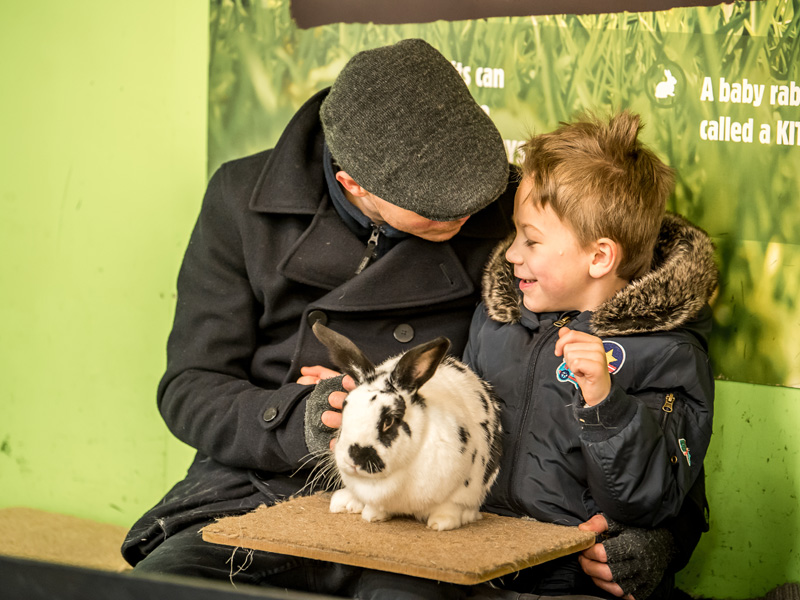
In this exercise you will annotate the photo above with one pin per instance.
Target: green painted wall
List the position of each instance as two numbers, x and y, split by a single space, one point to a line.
753 471
102 167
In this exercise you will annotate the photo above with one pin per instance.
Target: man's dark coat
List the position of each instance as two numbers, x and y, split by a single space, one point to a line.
270 255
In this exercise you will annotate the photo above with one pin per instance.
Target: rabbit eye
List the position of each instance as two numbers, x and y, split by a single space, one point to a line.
387 423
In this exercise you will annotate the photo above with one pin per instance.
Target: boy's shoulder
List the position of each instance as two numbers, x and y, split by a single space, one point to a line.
673 294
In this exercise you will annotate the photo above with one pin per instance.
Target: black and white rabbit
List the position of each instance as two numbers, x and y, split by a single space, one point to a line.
420 435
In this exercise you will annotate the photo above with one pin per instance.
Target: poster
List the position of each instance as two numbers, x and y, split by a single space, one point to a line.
718 88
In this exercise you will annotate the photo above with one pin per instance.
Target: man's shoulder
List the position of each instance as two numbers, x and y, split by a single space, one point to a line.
233 182
247 168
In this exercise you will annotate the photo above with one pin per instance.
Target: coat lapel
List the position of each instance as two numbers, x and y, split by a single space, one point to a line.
421 273
328 253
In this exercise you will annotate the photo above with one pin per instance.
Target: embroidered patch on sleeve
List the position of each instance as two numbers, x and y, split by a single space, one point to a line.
615 356
564 374
685 451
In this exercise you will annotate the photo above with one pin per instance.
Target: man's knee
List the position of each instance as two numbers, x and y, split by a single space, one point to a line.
185 553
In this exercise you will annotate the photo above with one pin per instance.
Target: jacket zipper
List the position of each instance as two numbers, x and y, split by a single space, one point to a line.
667 408
528 405
371 251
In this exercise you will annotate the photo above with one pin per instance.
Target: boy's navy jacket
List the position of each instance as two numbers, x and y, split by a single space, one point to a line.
635 456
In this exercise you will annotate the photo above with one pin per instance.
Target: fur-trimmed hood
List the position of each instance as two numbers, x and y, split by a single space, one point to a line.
683 279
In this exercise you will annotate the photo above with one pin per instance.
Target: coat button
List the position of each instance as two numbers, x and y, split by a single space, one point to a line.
317 315
270 414
404 333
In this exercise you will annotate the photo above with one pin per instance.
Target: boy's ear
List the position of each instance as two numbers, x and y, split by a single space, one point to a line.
350 184
605 257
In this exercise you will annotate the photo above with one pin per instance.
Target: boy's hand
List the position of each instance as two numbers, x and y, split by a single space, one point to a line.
594 561
585 356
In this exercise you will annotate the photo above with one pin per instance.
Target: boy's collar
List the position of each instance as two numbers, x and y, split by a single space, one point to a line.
535 321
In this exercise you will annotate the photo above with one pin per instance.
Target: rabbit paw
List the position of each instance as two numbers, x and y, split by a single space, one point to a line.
443 518
450 516
344 501
470 515
373 514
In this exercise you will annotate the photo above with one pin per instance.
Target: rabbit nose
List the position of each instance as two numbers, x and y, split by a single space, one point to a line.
366 458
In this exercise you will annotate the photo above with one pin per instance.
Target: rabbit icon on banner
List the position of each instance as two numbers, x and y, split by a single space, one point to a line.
666 88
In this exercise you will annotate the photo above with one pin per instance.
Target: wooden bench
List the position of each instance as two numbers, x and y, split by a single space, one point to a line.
52 537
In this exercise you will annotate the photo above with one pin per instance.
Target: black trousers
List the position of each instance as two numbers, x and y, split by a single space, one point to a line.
185 553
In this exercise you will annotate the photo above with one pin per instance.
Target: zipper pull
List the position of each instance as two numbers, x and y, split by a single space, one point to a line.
372 247
669 400
563 321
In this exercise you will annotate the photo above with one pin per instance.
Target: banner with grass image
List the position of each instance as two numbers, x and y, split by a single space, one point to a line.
718 89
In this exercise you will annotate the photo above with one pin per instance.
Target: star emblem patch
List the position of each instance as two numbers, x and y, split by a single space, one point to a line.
615 357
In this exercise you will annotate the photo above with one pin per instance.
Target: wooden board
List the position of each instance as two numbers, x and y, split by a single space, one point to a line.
475 553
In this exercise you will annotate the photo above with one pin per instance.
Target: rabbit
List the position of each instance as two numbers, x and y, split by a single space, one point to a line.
665 89
420 435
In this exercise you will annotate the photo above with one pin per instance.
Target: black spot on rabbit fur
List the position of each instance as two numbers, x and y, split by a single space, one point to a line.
463 435
452 362
391 422
493 466
495 450
366 458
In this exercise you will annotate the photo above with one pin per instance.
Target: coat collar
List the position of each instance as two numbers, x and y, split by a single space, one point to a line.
292 180
678 287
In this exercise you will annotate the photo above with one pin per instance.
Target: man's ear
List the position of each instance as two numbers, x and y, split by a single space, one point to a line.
605 256
349 184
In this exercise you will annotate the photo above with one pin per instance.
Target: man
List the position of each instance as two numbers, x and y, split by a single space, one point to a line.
374 213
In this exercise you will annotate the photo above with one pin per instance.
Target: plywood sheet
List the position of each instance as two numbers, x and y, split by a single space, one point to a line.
477 552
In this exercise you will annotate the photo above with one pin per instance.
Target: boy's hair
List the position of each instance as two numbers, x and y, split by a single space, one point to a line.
600 180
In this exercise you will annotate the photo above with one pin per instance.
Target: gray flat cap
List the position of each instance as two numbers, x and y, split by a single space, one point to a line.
401 121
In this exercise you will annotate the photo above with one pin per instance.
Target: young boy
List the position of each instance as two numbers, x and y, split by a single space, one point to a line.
593 334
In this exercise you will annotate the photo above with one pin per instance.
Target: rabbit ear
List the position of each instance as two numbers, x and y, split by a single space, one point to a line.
344 353
419 364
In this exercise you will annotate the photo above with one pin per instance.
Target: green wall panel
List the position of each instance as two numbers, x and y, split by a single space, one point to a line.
753 475
102 153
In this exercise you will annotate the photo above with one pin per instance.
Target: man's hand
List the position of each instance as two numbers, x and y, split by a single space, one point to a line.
317 403
585 356
594 560
312 375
